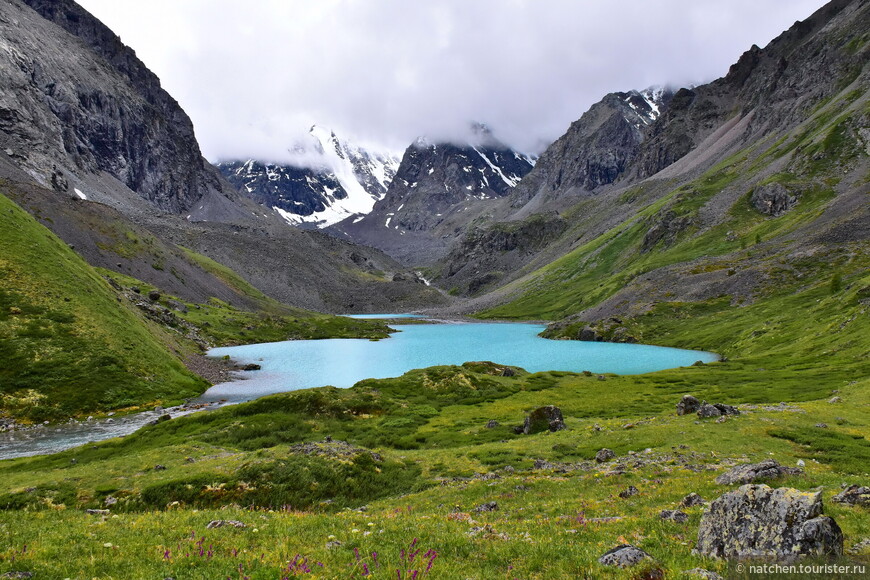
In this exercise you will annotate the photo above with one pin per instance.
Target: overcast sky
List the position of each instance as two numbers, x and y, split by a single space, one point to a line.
255 75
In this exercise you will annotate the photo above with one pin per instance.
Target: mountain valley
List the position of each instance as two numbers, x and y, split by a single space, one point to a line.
730 217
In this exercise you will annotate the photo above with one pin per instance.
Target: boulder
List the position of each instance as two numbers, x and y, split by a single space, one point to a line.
749 472
854 495
542 464
726 409
628 492
604 454
489 506
756 521
587 334
688 405
508 372
176 305
154 295
251 367
707 410
692 500
543 419
492 424
624 556
773 199
674 516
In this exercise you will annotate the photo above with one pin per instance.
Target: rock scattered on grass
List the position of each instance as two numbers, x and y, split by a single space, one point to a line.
489 506
854 495
332 544
756 521
624 556
628 492
692 500
604 454
835 400
688 405
226 524
542 464
543 419
860 547
674 516
492 424
747 473
18 575
487 532
97 512
822 425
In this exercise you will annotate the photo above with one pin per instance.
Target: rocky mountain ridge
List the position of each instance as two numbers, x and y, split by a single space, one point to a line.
807 86
437 188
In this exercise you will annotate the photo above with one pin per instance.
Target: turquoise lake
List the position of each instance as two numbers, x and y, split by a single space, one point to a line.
287 366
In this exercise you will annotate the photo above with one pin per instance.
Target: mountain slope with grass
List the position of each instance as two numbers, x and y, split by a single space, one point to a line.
779 142
68 345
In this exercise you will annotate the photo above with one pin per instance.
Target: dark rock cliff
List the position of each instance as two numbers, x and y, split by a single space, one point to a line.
74 98
597 149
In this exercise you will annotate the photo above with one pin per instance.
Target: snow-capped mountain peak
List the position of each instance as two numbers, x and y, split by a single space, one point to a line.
331 180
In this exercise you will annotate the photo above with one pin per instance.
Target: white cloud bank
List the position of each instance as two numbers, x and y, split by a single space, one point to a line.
255 75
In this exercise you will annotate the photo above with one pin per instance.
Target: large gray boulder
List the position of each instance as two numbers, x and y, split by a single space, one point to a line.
773 199
624 556
688 405
756 521
543 419
749 472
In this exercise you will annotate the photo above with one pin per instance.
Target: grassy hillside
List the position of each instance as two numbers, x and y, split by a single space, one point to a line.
711 219
68 346
73 344
436 463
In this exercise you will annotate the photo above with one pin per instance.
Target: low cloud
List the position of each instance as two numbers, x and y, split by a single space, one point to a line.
255 76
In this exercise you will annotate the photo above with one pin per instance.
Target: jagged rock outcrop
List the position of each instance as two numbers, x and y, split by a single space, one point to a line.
75 100
485 253
770 88
756 521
